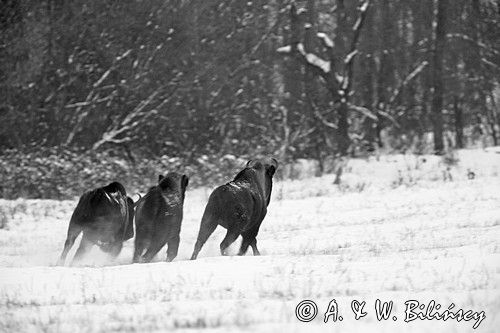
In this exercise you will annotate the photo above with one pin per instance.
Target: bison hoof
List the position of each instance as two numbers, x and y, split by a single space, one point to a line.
138 260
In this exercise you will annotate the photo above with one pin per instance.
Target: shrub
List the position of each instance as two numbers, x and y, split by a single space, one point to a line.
61 174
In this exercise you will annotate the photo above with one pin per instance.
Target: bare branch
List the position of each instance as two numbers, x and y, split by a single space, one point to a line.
285 49
349 63
318 65
130 122
487 62
263 39
81 115
407 80
348 58
388 116
91 99
294 27
363 111
306 133
323 120
478 43
103 77
327 42
87 103
313 59
362 10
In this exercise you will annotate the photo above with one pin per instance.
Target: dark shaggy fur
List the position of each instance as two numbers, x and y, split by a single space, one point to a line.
105 216
158 218
239 206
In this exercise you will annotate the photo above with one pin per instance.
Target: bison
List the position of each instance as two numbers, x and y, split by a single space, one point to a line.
158 218
105 216
239 206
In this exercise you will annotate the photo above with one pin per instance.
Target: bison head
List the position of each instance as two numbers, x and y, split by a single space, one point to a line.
265 167
174 181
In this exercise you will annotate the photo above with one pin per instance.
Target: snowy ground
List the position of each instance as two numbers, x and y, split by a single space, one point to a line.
394 230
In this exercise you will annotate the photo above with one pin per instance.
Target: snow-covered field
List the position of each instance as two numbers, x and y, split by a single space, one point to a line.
395 229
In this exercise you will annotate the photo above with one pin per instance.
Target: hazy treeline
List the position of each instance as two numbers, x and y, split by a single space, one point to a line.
184 78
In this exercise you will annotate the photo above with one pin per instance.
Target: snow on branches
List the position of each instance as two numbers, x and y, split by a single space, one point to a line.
310 58
313 59
325 39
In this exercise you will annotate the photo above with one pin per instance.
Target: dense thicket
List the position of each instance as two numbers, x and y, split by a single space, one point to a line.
189 78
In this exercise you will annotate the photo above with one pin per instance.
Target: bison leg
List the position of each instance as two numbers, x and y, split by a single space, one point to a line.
85 246
140 245
173 247
113 249
254 247
129 231
228 240
73 232
153 249
207 227
244 245
142 239
249 240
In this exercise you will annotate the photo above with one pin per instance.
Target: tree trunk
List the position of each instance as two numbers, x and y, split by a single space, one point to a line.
495 112
278 84
437 79
384 68
343 140
293 75
459 124
343 130
368 84
310 47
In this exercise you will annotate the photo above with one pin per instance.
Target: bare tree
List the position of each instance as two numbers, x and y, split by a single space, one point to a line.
337 74
439 39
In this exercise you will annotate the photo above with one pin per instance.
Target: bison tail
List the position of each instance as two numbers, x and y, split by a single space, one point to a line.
207 227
